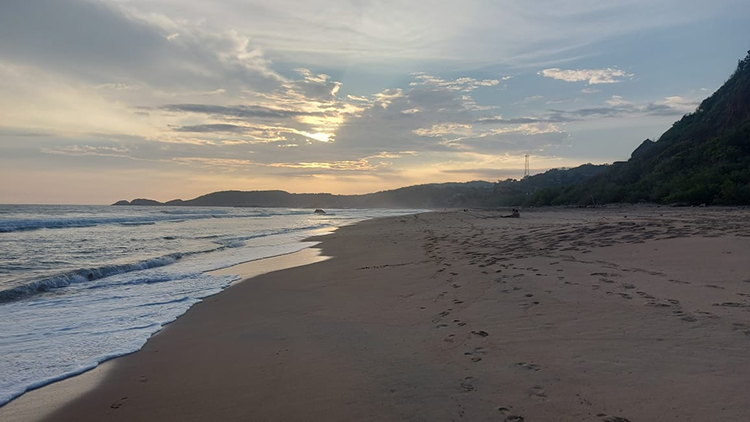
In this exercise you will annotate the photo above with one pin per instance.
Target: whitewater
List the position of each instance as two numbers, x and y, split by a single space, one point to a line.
83 284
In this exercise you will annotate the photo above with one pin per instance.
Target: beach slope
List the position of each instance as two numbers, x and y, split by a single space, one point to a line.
625 314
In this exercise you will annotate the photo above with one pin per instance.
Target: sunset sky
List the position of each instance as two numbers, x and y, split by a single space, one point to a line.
117 99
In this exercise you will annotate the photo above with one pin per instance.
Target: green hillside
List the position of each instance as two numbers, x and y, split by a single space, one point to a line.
703 159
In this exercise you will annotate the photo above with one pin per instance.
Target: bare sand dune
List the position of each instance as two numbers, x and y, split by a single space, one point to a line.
625 314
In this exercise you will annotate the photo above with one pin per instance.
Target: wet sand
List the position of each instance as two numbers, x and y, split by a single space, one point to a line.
623 314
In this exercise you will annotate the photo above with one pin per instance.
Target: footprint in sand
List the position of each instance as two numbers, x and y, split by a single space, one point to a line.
528 366
468 384
730 305
689 319
538 392
440 316
606 274
678 281
707 314
481 333
744 328
508 416
118 403
476 354
608 418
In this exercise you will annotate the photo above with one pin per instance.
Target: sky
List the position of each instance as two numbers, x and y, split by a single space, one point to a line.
102 100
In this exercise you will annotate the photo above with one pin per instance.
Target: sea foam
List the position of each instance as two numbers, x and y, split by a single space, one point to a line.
81 285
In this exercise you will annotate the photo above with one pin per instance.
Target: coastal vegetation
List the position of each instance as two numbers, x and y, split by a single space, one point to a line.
704 158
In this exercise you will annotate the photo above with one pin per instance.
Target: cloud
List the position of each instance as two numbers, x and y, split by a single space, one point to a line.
444 129
591 76
432 114
615 107
460 84
111 43
617 100
681 103
215 164
358 165
515 141
322 33
89 150
38 101
530 99
212 128
312 87
549 118
391 124
239 111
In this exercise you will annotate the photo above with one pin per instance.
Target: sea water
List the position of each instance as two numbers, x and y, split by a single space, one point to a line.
83 284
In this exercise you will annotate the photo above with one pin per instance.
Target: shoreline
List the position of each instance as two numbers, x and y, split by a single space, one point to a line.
592 315
40 402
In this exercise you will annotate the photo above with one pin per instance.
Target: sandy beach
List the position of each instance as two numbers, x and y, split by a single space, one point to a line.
615 314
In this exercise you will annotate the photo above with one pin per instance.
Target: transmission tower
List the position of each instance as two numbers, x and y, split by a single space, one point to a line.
526 167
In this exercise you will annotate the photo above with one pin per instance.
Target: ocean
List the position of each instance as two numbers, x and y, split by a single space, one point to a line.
83 284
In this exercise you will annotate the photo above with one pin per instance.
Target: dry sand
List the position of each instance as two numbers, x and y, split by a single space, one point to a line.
625 314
